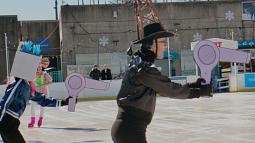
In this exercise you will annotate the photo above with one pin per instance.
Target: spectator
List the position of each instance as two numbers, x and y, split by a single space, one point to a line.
106 73
95 73
226 66
251 70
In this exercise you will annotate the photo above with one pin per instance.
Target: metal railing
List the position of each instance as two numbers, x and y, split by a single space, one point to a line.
221 85
56 76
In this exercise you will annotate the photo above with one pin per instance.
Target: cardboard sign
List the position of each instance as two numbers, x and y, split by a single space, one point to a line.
207 55
25 64
75 83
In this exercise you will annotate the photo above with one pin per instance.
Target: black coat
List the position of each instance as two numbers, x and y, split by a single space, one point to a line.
95 74
107 75
137 98
140 86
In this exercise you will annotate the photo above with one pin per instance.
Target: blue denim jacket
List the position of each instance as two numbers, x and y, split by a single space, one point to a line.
17 95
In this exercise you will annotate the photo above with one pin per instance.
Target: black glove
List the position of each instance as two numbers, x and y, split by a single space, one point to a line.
65 102
197 83
206 90
199 90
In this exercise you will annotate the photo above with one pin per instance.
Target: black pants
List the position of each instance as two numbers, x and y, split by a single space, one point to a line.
129 129
9 130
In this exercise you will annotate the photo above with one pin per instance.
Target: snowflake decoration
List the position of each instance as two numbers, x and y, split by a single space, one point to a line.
149 18
103 41
197 37
244 43
251 43
229 15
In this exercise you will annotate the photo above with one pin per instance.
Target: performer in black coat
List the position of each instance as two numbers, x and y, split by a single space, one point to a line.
106 73
142 81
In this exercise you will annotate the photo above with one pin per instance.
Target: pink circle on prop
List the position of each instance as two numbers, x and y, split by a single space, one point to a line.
75 82
206 54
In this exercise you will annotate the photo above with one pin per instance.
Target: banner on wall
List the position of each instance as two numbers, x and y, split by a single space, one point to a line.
44 44
248 10
230 44
188 65
246 44
249 80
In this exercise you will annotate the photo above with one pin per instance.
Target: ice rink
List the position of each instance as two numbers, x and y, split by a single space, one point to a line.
225 118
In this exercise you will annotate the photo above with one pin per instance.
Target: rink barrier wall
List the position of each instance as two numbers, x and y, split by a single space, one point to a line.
59 91
242 82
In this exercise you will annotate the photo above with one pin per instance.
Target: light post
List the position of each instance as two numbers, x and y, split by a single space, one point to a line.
7 57
168 53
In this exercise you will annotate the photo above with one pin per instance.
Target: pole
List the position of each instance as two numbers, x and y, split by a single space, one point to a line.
56 9
244 67
231 63
7 57
61 60
234 63
196 70
232 34
97 53
168 50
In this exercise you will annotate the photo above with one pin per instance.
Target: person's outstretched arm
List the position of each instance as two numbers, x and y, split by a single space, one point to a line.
152 78
49 102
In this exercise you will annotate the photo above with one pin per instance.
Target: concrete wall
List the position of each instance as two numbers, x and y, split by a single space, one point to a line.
115 61
83 24
96 20
8 24
42 29
27 30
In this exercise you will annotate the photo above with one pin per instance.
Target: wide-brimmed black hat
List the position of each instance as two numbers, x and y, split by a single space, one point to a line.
152 31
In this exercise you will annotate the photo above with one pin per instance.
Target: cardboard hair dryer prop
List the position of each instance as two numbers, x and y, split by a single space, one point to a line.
25 64
75 83
207 55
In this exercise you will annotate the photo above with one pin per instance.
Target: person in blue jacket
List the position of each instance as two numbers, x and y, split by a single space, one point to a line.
13 104
95 73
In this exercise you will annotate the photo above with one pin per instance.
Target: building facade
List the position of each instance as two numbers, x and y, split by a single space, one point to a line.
83 26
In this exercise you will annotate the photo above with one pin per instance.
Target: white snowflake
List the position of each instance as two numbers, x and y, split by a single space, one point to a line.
103 41
251 43
229 15
197 37
149 19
